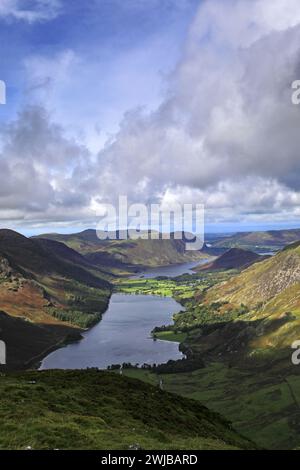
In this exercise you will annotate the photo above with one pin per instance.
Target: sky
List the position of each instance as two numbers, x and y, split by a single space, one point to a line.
164 101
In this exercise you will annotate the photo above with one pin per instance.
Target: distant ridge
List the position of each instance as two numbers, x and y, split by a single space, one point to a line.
127 253
39 257
235 258
272 240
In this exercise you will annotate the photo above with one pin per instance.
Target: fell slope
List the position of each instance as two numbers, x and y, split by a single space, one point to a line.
97 410
42 257
263 281
263 304
27 342
120 253
50 285
269 240
243 330
235 258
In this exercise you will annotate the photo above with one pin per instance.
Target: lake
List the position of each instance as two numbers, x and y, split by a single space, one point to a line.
173 270
123 335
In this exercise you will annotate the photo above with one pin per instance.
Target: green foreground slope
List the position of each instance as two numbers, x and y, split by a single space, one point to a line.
261 404
101 410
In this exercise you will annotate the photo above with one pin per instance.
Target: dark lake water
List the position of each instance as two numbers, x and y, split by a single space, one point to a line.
170 271
123 335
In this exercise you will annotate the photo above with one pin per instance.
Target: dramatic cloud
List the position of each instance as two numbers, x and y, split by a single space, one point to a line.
225 134
228 117
42 171
31 11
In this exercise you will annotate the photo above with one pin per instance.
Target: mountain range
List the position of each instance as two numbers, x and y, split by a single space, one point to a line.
53 287
128 253
272 240
49 291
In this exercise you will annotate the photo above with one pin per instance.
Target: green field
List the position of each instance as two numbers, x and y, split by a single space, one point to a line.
171 336
182 288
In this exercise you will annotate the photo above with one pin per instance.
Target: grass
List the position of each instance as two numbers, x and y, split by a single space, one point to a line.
259 405
99 410
182 288
255 396
77 304
171 336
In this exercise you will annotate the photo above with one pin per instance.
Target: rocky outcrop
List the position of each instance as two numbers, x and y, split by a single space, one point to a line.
6 271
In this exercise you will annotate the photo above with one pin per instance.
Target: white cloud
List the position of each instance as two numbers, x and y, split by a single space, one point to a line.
42 172
32 11
228 116
226 134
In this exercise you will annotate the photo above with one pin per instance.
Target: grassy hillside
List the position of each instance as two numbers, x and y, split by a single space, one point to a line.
42 279
41 257
254 347
235 258
253 316
27 342
261 403
127 253
96 410
269 240
242 329
263 282
269 293
50 285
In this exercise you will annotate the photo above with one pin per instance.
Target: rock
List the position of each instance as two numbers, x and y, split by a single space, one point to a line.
135 447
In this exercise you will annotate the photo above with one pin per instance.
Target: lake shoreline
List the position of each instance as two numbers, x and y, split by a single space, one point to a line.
37 364
123 336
